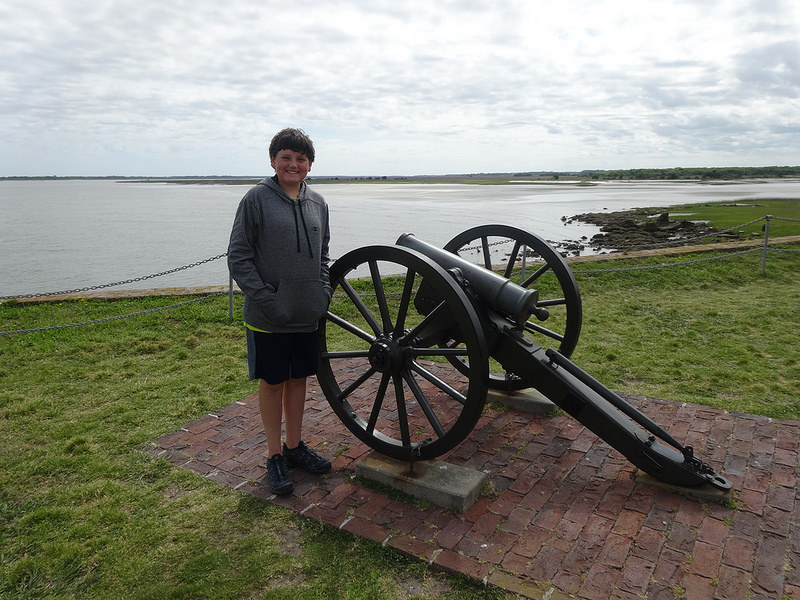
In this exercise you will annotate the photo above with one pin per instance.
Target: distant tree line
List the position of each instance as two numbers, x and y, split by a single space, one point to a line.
694 173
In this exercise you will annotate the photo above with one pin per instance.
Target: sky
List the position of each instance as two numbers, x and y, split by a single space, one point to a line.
397 87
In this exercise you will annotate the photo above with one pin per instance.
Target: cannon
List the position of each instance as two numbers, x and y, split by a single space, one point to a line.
416 335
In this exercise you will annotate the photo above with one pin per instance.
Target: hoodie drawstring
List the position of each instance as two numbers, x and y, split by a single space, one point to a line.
305 229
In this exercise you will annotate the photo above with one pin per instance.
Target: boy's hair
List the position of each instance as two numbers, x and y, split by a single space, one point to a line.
292 139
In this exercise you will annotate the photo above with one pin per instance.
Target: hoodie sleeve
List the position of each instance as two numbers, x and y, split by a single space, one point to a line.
241 253
325 259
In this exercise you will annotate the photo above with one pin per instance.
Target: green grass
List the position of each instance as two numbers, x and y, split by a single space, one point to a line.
86 513
714 333
727 215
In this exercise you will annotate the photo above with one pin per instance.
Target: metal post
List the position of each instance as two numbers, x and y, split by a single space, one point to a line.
766 246
230 297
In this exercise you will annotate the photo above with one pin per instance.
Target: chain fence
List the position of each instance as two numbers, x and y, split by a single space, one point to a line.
685 242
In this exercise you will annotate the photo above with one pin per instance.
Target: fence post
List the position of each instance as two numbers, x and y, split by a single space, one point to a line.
230 297
766 246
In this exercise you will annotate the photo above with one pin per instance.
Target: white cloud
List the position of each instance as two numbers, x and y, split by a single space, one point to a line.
165 88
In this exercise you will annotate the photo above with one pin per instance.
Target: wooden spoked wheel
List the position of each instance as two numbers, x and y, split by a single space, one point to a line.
529 261
386 348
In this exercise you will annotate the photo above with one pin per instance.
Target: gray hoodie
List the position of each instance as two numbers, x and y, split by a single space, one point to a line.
278 255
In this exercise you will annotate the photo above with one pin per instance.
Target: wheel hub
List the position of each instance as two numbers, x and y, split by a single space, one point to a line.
386 355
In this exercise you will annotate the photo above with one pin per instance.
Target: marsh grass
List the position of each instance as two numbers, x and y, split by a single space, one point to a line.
86 513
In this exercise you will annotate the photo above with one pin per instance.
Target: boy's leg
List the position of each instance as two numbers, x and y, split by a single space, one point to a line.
294 400
270 405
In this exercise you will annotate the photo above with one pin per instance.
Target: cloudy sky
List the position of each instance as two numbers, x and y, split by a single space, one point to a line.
397 87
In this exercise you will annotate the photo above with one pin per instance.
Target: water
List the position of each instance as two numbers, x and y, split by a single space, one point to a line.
62 235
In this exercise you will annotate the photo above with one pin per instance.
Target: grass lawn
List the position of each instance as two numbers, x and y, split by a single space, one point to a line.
86 513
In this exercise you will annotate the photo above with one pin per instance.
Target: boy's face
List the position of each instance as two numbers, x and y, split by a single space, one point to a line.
291 167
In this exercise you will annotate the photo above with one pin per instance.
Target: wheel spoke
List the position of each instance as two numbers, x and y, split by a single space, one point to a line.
439 383
346 325
378 404
487 257
380 295
402 413
359 304
345 354
356 384
405 302
430 319
539 272
422 400
512 260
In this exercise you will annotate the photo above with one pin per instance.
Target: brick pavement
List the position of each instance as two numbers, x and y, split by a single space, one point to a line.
567 517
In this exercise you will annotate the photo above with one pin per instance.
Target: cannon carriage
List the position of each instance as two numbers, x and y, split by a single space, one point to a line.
409 352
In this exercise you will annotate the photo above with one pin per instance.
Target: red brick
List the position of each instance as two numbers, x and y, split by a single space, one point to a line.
497 546
531 542
523 586
565 535
546 563
615 550
469 546
700 588
714 531
515 563
599 583
690 513
452 533
753 501
597 529
776 521
374 503
768 573
412 547
477 509
452 562
629 523
365 529
581 554
507 502
549 516
670 568
517 521
485 526
706 560
739 553
635 575
784 475
339 494
648 544
781 497
733 582
757 479
611 505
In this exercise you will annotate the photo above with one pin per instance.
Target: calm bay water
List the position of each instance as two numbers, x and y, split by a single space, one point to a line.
60 235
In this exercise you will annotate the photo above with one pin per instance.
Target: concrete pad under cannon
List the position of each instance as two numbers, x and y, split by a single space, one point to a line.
528 400
434 481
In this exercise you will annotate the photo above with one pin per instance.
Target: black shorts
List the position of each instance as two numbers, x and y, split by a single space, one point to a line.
276 357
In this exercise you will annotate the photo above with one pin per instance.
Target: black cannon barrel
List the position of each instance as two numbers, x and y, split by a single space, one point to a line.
497 292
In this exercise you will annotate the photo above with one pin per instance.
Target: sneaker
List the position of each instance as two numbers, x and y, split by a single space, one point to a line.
306 459
278 475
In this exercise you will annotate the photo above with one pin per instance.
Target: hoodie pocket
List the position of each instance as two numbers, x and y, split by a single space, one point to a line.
298 302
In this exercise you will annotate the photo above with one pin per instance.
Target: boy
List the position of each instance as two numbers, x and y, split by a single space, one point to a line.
278 255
